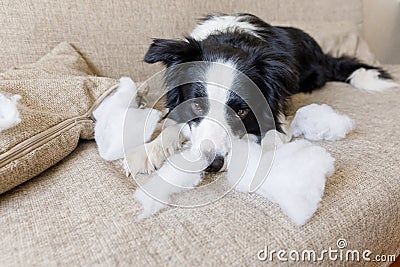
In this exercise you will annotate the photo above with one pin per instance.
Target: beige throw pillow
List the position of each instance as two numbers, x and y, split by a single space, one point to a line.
58 95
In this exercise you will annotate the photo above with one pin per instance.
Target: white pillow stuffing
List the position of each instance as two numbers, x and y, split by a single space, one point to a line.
111 115
295 180
9 115
181 172
321 122
292 175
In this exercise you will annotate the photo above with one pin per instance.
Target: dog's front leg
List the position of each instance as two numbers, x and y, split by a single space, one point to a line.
150 156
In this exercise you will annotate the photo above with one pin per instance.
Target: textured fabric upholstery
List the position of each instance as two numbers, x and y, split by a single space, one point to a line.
82 211
114 35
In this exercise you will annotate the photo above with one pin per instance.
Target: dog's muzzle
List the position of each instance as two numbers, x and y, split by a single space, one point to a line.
217 164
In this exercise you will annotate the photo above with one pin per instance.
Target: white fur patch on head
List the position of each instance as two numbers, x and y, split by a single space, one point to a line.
111 115
369 80
220 77
222 24
321 122
295 180
9 115
213 128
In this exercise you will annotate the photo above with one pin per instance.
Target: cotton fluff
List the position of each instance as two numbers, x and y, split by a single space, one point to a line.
119 108
181 172
295 180
321 122
9 115
292 176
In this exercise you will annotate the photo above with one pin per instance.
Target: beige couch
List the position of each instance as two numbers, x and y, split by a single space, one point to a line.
81 211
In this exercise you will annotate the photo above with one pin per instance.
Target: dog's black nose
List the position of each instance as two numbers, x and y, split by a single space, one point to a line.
217 164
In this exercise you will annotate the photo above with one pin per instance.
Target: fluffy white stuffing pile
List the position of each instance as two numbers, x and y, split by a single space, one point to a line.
182 171
321 122
119 108
9 115
295 180
291 175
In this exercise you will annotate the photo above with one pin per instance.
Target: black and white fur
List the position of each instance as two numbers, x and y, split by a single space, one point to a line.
281 61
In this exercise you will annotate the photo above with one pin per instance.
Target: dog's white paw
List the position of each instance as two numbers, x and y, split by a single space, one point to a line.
149 157
145 158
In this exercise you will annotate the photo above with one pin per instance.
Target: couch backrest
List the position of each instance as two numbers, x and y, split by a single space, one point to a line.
113 35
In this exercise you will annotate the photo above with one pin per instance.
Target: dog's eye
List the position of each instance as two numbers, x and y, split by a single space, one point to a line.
242 113
197 109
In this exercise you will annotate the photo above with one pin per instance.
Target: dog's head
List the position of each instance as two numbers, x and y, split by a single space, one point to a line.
223 91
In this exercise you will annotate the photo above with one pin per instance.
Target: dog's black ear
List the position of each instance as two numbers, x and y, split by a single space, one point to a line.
173 51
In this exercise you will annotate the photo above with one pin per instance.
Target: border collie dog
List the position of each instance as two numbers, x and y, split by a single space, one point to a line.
279 61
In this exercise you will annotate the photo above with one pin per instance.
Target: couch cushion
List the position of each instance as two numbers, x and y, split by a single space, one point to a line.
82 211
58 94
115 35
